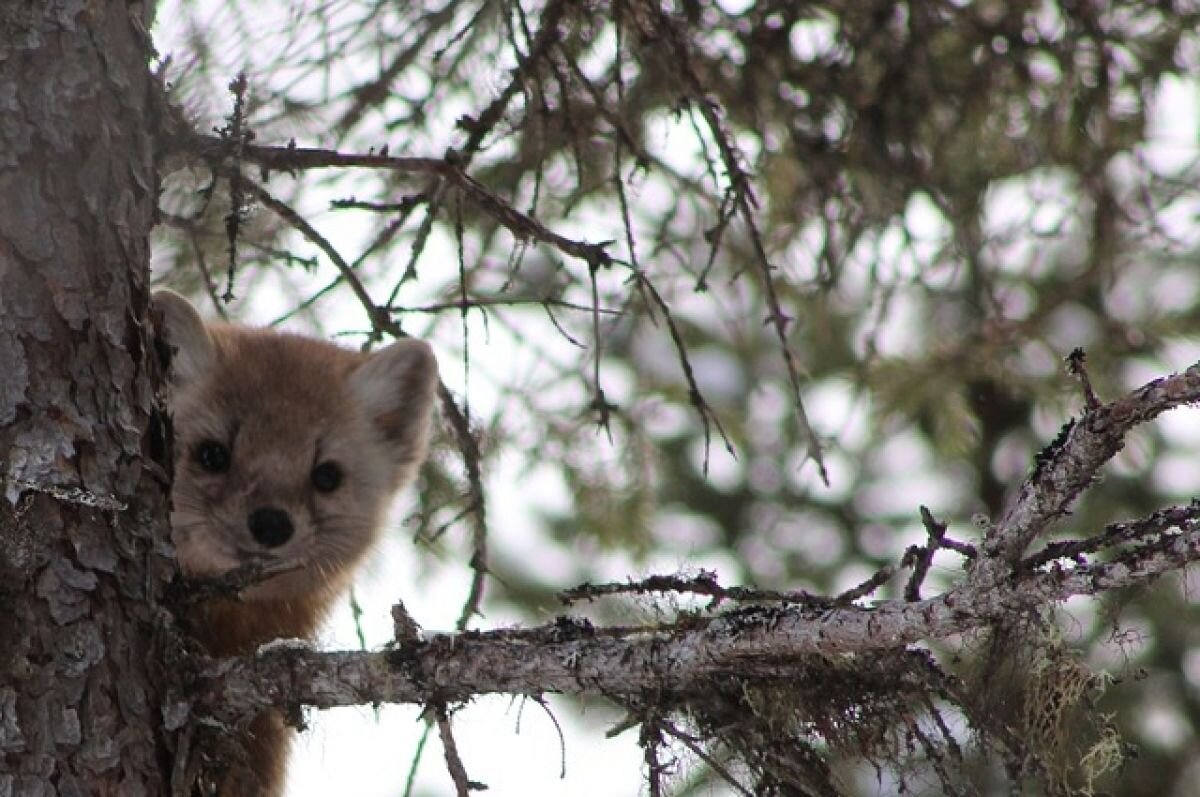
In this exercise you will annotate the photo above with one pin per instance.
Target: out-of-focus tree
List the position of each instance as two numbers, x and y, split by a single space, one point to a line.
744 285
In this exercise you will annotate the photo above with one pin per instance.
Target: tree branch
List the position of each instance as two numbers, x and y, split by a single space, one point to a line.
754 642
1067 466
522 225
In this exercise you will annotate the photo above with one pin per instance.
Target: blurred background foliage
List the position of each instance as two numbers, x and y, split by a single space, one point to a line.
951 197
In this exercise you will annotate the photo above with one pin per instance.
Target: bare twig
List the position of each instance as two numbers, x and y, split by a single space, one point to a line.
484 302
454 763
670 32
651 743
924 556
468 446
235 137
562 739
449 168
600 402
706 413
691 743
1183 518
285 212
194 591
704 583
1077 367
877 579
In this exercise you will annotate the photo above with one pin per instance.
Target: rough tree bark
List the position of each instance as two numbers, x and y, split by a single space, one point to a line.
83 504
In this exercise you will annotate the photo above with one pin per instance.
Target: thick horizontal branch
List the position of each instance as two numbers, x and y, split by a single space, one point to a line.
757 642
750 644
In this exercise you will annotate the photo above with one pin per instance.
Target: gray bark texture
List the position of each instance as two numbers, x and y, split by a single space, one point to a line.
82 502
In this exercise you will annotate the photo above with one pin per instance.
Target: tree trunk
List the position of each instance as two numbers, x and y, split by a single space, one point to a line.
82 515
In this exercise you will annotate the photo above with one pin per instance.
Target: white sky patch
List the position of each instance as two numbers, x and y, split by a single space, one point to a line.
735 6
720 376
1174 289
509 744
1174 125
1070 326
838 412
1179 219
807 479
814 39
724 471
900 495
662 420
898 333
1040 360
810 536
1042 201
682 531
1137 371
802 254
925 222
673 139
1162 724
1176 473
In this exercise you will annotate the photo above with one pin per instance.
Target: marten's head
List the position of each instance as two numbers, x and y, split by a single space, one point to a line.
287 449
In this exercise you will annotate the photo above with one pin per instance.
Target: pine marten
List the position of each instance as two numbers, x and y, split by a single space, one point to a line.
288 451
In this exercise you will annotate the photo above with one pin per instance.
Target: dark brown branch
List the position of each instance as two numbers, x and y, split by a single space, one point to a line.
484 302
541 45
924 556
454 764
519 224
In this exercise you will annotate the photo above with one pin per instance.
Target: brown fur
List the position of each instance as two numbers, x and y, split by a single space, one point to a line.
280 405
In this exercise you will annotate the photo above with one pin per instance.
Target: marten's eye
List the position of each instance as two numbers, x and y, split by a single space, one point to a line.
327 476
214 457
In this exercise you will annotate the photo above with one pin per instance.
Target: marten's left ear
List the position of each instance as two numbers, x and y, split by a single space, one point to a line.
396 386
178 324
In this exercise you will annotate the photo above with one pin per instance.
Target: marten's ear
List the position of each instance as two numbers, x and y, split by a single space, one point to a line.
180 327
395 387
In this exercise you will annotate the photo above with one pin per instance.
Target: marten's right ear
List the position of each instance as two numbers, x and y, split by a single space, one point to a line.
180 327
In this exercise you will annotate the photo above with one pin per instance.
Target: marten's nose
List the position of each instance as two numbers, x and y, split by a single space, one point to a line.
270 526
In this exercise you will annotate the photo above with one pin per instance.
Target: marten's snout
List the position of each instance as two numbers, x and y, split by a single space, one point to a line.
271 527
